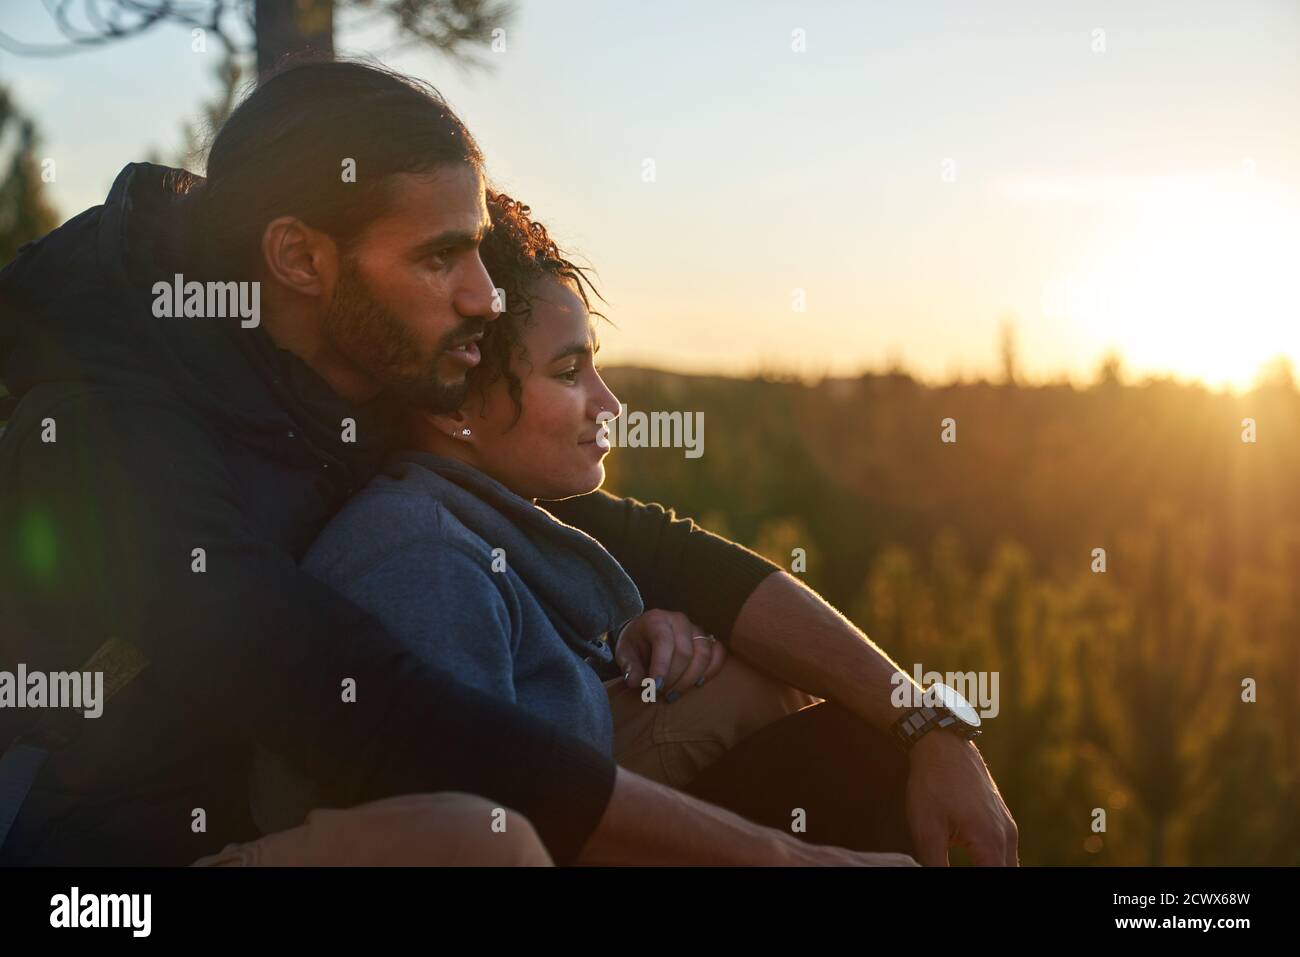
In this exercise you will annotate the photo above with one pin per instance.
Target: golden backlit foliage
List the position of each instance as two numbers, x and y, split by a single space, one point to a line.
1120 690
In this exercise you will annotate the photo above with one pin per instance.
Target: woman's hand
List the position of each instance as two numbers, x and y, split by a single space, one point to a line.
666 646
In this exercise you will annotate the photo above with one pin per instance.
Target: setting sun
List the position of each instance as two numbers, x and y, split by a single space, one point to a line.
1184 274
1201 284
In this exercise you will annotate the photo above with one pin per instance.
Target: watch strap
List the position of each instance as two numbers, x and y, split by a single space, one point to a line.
918 722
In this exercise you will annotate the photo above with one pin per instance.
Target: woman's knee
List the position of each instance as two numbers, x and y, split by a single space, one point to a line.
744 700
704 724
442 829
449 829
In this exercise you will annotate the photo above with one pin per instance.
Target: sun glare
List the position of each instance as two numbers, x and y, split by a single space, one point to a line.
1203 286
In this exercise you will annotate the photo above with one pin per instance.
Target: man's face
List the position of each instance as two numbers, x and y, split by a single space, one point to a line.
412 296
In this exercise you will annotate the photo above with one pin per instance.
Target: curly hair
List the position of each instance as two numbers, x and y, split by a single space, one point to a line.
518 251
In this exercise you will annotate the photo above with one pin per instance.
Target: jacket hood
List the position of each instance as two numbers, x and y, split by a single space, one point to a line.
582 587
78 305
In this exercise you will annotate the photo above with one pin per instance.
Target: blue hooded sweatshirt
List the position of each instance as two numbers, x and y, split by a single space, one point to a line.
486 585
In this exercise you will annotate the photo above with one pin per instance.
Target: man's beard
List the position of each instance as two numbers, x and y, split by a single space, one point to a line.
374 339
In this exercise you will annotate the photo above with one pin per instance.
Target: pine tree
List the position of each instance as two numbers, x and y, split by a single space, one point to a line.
25 212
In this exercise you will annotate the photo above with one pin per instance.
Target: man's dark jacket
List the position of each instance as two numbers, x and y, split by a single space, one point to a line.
136 440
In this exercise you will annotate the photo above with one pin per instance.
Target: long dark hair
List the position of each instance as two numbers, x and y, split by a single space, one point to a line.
281 152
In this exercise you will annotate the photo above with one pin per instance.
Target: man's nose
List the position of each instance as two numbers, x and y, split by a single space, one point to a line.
477 295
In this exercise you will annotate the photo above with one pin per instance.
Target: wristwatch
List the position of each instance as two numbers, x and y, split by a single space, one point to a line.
942 708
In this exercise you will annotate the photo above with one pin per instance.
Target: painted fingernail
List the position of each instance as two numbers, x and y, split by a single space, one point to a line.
659 684
673 696
700 683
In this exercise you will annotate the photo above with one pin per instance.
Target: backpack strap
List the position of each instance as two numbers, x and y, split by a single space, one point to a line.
21 763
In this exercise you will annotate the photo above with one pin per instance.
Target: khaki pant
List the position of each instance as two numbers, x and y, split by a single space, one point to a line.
669 743
672 743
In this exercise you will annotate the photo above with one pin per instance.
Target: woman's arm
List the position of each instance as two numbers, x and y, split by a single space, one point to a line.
676 564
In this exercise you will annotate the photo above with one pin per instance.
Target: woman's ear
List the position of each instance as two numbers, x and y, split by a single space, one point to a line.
447 424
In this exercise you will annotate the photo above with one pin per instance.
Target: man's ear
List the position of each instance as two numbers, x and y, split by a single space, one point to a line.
299 258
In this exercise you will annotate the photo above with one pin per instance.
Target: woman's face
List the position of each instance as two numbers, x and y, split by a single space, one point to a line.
551 452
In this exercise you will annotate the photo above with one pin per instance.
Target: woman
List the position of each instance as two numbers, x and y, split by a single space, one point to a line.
448 548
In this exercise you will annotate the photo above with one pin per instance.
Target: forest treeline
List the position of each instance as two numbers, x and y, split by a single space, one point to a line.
1120 690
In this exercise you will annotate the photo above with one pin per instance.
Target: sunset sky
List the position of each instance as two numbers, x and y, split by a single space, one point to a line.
924 172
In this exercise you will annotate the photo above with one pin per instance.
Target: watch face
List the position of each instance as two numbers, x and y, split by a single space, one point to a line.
943 695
